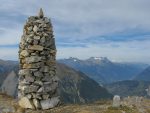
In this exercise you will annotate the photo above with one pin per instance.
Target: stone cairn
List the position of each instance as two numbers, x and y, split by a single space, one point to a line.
116 101
38 83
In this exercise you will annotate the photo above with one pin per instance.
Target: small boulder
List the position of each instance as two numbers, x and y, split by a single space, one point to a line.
50 103
116 101
26 103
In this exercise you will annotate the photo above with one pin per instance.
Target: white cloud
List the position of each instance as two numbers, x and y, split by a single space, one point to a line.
79 20
135 51
9 53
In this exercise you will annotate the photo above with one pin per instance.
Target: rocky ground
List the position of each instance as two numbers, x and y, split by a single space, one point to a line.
9 105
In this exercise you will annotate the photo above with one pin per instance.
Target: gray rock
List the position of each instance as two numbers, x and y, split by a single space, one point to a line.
10 85
33 59
50 103
24 72
33 66
35 28
38 74
30 28
116 101
39 83
26 103
46 69
148 91
24 53
45 96
50 88
36 96
29 88
47 78
41 14
36 103
35 42
42 41
46 20
29 78
29 40
36 47
36 37
29 96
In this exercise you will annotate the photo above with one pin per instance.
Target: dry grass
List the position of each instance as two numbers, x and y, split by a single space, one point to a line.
97 107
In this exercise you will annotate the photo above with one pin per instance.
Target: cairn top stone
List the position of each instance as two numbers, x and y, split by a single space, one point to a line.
41 14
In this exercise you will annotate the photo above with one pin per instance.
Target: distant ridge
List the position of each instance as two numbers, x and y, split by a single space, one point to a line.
102 70
144 75
128 88
75 86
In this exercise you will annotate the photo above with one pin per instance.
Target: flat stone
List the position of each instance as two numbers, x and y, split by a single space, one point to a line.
31 18
29 40
23 82
39 83
29 96
29 78
36 103
40 90
35 42
38 74
26 103
42 40
35 28
49 88
47 78
45 96
32 66
36 47
46 69
24 72
55 79
36 37
53 51
33 59
46 20
24 53
30 28
50 103
29 89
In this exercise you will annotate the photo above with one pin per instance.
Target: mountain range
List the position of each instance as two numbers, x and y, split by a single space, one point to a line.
75 86
102 70
144 75
129 88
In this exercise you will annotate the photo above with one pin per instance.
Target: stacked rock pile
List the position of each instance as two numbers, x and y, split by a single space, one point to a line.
38 83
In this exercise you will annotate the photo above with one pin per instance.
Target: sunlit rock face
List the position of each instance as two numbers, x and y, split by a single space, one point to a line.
37 74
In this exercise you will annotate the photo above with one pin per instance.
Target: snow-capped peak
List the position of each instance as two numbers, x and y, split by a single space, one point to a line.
99 59
73 59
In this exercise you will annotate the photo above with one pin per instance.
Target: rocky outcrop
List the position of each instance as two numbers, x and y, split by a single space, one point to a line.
9 85
37 75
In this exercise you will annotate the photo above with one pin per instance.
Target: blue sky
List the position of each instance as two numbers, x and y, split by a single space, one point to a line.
117 29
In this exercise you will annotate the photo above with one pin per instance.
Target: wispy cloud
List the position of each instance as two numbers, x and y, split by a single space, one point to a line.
87 27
